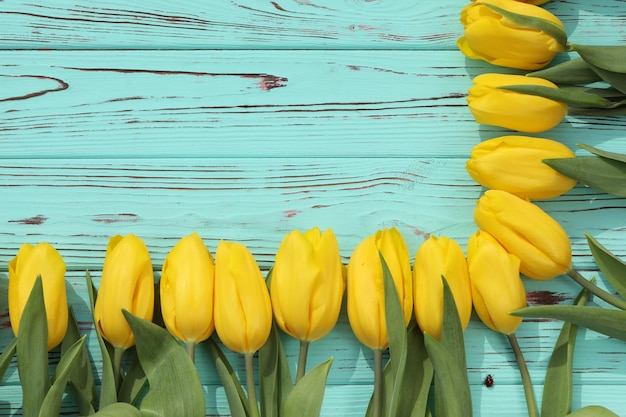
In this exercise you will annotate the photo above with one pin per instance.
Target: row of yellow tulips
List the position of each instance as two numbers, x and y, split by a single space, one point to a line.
512 34
307 282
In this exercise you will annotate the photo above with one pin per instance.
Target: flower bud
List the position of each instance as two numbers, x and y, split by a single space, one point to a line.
514 164
438 257
127 284
535 2
29 263
497 288
186 290
365 286
512 110
307 284
526 231
511 34
243 310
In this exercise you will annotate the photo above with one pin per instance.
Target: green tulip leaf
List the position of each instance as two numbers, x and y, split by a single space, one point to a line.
620 157
452 341
451 330
557 386
593 411
32 352
108 390
447 374
175 388
531 22
419 371
305 400
133 383
573 96
6 357
604 174
81 375
51 405
406 377
610 58
275 382
118 410
237 400
609 62
602 320
575 71
612 267
394 399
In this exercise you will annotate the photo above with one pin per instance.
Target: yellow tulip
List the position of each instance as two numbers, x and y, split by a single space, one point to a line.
307 284
186 290
365 286
497 288
535 2
511 34
434 258
127 283
514 164
516 111
243 310
30 262
526 231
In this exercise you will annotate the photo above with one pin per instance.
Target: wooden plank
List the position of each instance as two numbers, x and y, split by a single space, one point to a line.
77 204
73 104
283 24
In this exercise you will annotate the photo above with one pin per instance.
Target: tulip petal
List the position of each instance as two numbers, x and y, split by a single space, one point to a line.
243 311
186 290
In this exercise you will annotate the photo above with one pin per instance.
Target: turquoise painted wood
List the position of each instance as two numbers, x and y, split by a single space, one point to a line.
244 120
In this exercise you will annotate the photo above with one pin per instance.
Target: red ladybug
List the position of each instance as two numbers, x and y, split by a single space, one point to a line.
488 381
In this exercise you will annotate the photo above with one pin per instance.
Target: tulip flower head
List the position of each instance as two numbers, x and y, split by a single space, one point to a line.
526 231
438 257
514 164
497 288
186 290
365 286
127 284
307 284
29 263
511 34
243 310
535 2
496 106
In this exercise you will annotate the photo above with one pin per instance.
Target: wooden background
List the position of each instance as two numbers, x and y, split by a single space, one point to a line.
243 120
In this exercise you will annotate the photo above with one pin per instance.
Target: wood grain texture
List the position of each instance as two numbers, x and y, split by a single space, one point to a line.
77 204
283 24
251 104
244 120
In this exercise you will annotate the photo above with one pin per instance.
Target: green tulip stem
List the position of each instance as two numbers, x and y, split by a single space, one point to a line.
595 290
191 350
523 370
378 383
304 350
118 353
252 401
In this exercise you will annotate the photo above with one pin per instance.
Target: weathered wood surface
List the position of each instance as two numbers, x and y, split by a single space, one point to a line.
245 120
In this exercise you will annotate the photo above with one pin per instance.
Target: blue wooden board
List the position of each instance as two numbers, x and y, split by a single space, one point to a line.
243 120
